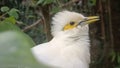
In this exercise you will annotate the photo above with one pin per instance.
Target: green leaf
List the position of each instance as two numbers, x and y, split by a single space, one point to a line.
30 16
118 58
15 51
91 2
113 55
44 2
4 9
15 48
7 26
10 19
48 2
40 2
13 13
55 10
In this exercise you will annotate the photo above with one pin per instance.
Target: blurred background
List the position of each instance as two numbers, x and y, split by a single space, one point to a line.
33 17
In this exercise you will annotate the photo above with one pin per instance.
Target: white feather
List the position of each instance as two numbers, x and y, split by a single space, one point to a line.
68 49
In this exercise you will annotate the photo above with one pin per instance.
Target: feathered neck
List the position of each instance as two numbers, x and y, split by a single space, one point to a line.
61 37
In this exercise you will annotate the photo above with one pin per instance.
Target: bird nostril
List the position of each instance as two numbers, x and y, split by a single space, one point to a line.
80 23
85 19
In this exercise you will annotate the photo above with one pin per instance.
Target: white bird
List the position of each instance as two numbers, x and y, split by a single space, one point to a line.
70 46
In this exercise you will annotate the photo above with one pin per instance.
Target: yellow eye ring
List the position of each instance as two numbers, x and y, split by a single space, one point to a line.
70 25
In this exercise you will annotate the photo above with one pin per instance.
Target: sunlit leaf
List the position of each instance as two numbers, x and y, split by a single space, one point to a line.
10 20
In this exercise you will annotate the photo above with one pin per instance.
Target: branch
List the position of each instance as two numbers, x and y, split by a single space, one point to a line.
2 16
32 25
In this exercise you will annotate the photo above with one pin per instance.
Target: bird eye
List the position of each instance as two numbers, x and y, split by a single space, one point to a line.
72 23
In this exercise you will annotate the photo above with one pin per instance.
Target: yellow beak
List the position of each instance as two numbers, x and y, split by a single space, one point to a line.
89 20
92 19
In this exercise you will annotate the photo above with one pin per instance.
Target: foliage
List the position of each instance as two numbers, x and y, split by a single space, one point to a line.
12 14
92 2
45 2
115 56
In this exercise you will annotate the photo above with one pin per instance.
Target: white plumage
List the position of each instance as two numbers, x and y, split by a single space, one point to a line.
70 45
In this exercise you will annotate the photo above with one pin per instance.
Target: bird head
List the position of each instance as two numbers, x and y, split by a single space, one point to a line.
71 23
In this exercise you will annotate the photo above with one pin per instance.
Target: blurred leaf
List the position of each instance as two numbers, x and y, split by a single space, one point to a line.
48 2
6 26
113 55
40 2
117 66
44 2
15 51
15 48
30 16
10 19
13 13
55 10
4 9
91 2
118 58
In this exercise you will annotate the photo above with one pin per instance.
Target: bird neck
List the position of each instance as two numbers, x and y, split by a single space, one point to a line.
63 38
